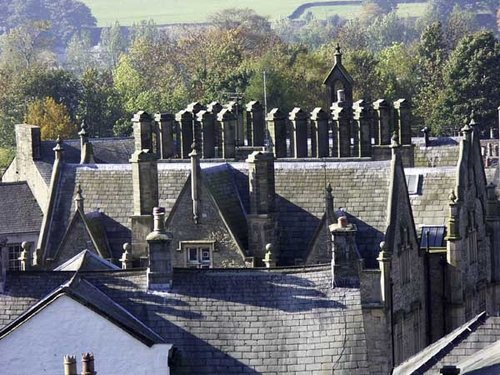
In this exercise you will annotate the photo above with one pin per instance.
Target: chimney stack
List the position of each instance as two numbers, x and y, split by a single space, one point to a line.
165 123
143 131
70 365
88 364
261 219
160 257
345 255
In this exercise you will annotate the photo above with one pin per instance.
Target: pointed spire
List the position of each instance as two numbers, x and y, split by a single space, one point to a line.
79 199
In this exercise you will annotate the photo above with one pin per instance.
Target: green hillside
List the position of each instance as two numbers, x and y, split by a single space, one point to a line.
195 11
179 11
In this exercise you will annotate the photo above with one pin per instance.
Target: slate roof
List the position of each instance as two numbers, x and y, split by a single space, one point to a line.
91 297
430 206
483 362
442 151
106 151
238 321
361 188
86 261
457 347
24 214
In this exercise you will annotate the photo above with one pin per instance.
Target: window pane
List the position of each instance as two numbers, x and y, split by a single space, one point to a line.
193 254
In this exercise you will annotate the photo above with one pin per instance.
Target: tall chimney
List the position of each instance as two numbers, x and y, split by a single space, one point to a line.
261 219
143 131
159 252
88 364
165 123
70 365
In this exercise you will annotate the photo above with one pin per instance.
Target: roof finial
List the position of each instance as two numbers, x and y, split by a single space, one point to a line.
79 198
394 140
83 127
452 197
473 122
337 57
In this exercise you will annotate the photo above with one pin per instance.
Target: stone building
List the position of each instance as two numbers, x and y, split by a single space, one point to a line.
383 244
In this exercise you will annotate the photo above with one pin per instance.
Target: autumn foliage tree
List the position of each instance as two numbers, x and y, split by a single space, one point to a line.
52 118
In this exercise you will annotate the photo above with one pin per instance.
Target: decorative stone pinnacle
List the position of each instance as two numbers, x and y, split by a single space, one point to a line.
394 140
466 129
337 49
472 118
58 146
83 131
452 197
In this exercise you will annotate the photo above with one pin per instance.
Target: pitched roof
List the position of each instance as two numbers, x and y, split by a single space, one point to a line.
360 188
106 151
483 362
299 188
86 261
91 297
231 321
24 214
456 347
430 206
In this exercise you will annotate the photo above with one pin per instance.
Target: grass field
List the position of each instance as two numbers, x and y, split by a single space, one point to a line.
179 11
351 11
195 11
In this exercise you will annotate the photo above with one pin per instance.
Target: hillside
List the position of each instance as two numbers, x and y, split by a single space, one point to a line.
197 11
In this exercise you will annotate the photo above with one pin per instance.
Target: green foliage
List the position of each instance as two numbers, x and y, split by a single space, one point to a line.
64 17
100 104
26 46
113 44
472 81
79 56
363 67
6 156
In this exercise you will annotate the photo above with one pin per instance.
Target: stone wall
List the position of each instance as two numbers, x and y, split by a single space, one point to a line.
24 168
211 227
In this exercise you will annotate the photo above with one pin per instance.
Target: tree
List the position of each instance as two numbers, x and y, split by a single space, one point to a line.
113 44
472 81
362 65
387 30
53 119
67 18
79 54
396 69
100 104
25 46
432 55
